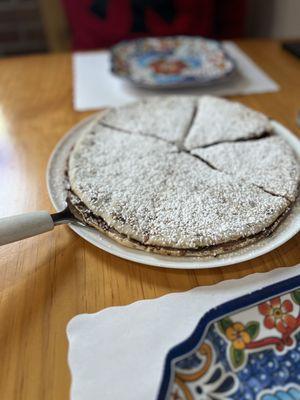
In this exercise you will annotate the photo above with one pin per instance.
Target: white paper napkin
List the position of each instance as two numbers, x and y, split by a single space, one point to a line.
95 86
119 352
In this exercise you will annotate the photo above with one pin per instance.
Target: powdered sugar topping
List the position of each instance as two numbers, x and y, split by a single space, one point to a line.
218 120
150 191
167 118
269 163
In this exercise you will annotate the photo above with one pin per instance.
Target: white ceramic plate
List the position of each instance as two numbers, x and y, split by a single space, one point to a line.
55 177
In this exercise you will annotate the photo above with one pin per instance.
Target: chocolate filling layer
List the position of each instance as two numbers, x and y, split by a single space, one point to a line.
83 214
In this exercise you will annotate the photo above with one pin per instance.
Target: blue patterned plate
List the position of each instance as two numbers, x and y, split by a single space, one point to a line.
248 348
171 62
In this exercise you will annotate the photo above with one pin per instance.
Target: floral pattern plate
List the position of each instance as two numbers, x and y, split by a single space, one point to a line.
171 62
247 348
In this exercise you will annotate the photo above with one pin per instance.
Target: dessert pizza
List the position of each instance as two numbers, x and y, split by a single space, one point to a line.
182 176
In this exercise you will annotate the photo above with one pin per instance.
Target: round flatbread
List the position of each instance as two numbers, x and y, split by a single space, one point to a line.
147 190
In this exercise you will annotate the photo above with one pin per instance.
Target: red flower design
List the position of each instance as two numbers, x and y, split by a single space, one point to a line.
277 315
168 66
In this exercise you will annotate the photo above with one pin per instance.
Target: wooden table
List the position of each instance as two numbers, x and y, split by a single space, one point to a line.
46 280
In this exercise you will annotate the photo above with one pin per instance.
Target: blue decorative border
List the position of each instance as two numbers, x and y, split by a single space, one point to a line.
217 313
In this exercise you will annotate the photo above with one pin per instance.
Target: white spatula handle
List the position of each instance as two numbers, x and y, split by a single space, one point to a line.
22 226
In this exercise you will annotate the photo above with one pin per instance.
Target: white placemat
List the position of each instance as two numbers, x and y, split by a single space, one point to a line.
94 86
119 352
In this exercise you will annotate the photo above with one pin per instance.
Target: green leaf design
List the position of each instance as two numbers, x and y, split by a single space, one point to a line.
252 328
224 323
296 296
237 357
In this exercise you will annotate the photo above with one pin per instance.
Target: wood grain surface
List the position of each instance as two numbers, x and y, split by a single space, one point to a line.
46 280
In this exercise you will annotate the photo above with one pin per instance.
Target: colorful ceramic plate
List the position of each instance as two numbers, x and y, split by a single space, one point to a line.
171 62
247 348
55 182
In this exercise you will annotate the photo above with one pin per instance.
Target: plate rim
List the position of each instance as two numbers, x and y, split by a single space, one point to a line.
164 261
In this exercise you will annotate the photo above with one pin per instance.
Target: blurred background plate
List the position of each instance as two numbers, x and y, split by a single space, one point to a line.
171 62
55 183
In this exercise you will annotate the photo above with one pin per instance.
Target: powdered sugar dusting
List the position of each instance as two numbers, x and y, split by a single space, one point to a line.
219 120
269 163
150 191
167 118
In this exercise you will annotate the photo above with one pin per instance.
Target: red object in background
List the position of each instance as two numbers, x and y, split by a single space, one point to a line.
102 23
